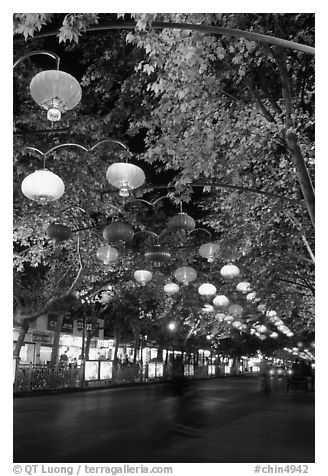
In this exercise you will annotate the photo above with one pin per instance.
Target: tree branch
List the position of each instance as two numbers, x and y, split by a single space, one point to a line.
291 138
268 116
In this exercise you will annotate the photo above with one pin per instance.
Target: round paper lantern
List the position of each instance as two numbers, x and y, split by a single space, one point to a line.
181 221
125 177
243 287
290 334
262 328
235 310
221 301
271 314
252 331
157 254
228 318
229 271
262 337
43 186
118 231
209 251
279 322
251 297
107 254
237 324
185 274
261 308
56 92
171 288
58 232
208 308
142 276
220 317
207 289
274 335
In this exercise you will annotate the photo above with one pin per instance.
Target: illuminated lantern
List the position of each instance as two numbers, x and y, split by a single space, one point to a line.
290 334
143 276
235 310
271 314
221 301
220 317
262 337
261 308
243 287
274 335
251 297
230 271
208 308
125 177
43 186
279 322
118 231
185 274
262 328
228 318
237 324
107 254
207 289
252 331
181 221
157 254
171 288
209 251
56 92
281 328
59 232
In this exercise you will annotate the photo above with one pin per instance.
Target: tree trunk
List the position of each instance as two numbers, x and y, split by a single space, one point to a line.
136 347
20 341
87 345
55 345
117 342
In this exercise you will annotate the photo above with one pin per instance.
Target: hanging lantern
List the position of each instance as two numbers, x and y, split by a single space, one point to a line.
185 274
142 276
118 231
157 254
278 322
230 271
208 308
262 337
181 221
207 289
261 308
58 232
220 317
209 251
125 177
290 334
251 297
262 328
221 301
171 288
237 324
43 186
235 310
56 92
274 335
252 331
243 287
271 314
228 318
107 254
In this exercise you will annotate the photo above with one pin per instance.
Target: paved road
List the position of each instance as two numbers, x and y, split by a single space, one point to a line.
233 423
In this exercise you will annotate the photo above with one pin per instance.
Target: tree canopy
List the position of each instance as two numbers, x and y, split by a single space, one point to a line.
222 125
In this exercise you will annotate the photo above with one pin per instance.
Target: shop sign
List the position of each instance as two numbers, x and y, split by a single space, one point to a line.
67 327
44 338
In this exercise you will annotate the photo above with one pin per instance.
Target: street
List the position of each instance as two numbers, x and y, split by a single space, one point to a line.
233 422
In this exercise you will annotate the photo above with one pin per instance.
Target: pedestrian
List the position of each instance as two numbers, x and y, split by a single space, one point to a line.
264 373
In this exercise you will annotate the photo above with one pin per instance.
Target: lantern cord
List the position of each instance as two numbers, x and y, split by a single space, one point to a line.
113 141
201 229
41 52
